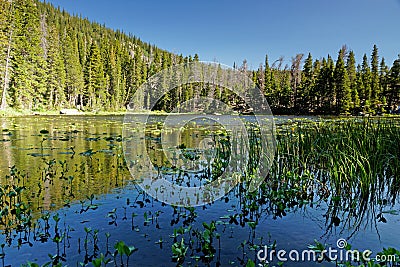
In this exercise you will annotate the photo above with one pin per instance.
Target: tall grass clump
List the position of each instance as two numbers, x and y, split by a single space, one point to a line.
349 162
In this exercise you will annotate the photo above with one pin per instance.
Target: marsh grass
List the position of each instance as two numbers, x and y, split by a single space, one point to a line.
353 164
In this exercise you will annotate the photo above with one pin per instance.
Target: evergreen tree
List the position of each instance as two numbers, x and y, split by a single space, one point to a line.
394 82
342 86
284 90
56 76
306 85
383 81
95 95
268 76
365 90
314 93
352 74
28 64
74 83
355 94
325 86
375 86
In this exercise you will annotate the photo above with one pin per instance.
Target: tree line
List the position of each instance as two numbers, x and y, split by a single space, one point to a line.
325 86
51 60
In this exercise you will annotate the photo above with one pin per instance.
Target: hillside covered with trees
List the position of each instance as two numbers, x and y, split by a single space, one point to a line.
50 59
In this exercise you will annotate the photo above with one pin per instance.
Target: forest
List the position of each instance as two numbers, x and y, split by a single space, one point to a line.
51 60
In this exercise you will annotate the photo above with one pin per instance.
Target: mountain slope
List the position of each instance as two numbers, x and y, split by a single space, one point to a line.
50 59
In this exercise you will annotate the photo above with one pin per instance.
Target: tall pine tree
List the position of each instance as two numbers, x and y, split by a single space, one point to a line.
74 82
95 94
365 90
375 85
55 95
342 86
306 85
352 74
28 64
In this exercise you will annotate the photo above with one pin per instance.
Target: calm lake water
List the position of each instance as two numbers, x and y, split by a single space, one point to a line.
75 167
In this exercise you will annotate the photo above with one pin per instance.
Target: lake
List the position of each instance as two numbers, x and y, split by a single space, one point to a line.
68 195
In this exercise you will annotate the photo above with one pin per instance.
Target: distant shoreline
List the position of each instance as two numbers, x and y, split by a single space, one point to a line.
10 113
27 113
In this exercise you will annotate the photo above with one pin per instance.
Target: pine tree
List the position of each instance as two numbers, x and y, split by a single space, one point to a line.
95 96
117 89
306 85
342 86
28 78
284 90
375 86
56 76
365 90
314 93
383 81
394 82
274 91
355 94
325 86
74 83
352 74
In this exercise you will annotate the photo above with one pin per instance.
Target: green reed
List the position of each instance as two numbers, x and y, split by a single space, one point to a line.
349 162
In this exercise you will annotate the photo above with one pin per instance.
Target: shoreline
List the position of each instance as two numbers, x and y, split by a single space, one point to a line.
11 113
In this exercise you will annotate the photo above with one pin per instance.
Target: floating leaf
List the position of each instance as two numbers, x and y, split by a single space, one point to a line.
87 153
92 139
39 155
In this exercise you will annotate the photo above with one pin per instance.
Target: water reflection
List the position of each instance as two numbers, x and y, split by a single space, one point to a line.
80 159
64 159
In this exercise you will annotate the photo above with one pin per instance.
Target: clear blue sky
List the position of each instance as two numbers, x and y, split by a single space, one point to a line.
232 30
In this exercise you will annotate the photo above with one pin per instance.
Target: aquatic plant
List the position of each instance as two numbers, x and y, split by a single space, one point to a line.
179 250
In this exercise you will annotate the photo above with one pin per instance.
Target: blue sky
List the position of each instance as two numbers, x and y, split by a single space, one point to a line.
232 30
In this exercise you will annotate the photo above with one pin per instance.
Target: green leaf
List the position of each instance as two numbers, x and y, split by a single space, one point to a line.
97 262
125 250
120 247
250 263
